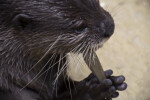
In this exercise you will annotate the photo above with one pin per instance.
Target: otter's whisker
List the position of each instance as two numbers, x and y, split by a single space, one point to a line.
51 67
86 50
37 74
108 5
80 62
60 72
70 87
81 47
47 71
44 55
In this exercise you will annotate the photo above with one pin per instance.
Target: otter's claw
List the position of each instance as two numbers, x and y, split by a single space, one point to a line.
117 83
108 88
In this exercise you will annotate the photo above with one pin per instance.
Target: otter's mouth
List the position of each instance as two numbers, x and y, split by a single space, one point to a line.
99 45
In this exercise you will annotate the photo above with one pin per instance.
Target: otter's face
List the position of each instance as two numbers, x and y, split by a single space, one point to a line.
61 26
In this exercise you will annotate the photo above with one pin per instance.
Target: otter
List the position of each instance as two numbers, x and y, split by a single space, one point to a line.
35 37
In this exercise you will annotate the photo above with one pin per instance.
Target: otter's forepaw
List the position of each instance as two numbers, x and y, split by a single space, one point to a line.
108 88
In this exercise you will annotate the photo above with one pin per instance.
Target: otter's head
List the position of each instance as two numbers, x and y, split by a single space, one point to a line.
57 26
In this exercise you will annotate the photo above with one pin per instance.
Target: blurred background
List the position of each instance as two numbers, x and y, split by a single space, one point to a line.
128 50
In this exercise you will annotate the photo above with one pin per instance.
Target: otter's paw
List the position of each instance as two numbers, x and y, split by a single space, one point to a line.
108 88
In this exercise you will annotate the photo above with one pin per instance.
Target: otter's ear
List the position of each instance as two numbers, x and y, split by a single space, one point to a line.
21 21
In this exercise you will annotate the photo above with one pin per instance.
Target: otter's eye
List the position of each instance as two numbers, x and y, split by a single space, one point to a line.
81 29
21 21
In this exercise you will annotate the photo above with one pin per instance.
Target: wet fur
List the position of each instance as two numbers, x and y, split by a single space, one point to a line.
35 35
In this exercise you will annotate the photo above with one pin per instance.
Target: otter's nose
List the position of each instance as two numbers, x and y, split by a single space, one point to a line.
107 27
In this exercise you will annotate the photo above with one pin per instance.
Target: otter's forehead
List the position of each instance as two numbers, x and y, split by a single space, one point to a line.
63 11
44 8
47 5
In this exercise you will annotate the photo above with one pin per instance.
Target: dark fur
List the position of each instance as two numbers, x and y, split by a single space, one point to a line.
28 28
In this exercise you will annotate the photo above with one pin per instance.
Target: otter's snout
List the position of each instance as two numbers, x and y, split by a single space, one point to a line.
107 27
